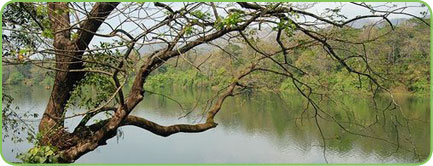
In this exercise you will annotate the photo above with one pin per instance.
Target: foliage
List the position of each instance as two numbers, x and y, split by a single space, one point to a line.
40 154
100 86
231 20
18 16
409 69
190 78
13 125
200 15
27 74
15 78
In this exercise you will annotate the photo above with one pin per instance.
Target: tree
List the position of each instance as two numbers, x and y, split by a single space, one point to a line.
58 36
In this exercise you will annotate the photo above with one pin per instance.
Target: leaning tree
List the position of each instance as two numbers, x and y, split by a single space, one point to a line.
100 44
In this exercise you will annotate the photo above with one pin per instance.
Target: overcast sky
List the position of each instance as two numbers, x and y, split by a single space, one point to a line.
351 10
347 9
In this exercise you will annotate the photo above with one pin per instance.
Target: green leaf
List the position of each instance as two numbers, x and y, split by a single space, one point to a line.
34 150
40 159
47 33
49 153
46 149
74 36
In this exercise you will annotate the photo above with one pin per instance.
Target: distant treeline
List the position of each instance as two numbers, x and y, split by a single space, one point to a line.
400 57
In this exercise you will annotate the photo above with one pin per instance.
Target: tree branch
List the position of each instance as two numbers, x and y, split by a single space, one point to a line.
166 130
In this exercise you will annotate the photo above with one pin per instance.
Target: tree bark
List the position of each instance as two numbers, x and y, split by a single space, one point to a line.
64 81
166 131
68 55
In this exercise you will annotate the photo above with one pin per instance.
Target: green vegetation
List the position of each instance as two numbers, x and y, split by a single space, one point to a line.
40 154
402 57
189 78
27 74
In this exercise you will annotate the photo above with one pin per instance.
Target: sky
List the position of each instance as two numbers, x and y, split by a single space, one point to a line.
351 10
347 9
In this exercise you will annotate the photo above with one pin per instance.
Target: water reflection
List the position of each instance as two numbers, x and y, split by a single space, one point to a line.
261 128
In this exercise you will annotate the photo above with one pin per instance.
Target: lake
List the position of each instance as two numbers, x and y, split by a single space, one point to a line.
257 128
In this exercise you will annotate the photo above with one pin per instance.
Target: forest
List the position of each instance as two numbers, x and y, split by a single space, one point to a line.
402 57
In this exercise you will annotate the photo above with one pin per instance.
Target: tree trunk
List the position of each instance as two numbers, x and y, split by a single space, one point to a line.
68 55
64 81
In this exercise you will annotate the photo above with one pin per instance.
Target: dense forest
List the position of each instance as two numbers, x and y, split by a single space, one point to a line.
402 57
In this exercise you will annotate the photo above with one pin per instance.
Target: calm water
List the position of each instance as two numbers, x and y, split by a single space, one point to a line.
260 128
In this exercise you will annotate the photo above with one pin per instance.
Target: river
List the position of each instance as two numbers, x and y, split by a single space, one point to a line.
256 128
